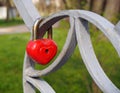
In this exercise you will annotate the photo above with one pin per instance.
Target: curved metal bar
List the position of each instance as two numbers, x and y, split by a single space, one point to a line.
62 58
27 11
104 25
110 34
27 87
97 20
107 29
90 60
117 28
83 41
40 84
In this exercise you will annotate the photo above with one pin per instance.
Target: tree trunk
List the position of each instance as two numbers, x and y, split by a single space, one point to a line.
112 9
98 6
59 5
8 7
42 7
88 5
73 4
65 4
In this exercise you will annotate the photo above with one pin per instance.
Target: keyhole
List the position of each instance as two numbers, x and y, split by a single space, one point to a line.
46 50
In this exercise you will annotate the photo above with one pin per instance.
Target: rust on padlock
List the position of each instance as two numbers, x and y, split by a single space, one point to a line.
50 33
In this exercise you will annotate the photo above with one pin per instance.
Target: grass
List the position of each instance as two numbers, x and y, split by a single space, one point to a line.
12 22
11 59
71 78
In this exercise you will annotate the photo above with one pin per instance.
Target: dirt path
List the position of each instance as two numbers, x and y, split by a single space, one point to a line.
13 29
18 29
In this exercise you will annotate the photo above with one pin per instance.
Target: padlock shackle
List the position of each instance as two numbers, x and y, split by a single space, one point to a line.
36 27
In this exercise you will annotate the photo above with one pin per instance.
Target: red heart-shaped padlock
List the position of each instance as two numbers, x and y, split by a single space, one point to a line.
41 51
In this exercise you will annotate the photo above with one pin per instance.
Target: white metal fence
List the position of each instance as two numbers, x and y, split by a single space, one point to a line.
78 34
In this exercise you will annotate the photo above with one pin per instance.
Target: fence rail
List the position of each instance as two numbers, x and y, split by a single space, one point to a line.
78 34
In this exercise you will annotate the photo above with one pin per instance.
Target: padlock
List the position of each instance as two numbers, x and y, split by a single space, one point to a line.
42 51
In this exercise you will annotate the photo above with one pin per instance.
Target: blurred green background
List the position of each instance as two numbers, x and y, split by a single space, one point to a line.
73 76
